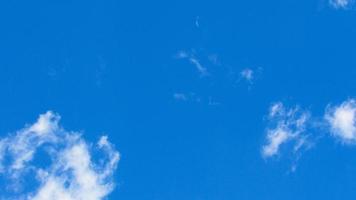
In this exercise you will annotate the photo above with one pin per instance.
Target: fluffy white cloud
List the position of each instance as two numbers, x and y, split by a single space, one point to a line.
72 173
288 125
275 138
341 119
342 4
45 124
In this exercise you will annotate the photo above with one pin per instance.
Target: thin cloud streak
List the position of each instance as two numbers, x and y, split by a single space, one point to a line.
192 59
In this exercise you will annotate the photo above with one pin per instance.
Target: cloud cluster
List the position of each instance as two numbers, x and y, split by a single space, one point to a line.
71 172
289 125
340 4
296 126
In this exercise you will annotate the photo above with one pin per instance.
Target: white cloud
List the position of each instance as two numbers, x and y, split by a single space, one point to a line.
341 4
288 126
197 22
247 74
24 143
342 121
250 75
72 173
294 127
199 66
195 61
275 109
191 97
180 96
275 138
45 124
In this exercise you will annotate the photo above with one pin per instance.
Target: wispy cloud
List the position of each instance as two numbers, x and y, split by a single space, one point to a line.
194 60
187 97
247 74
342 119
56 72
250 75
275 138
288 125
341 4
197 24
195 98
180 96
72 173
298 128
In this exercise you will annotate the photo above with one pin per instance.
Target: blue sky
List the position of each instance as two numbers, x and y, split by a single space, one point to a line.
204 100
